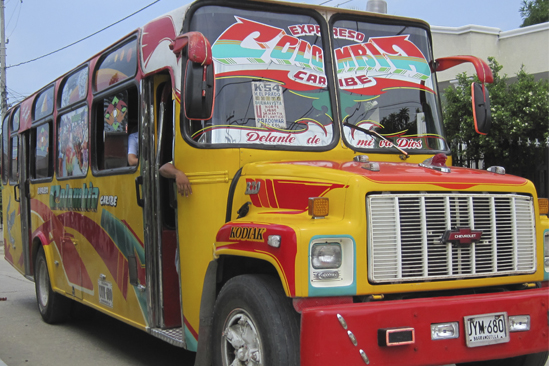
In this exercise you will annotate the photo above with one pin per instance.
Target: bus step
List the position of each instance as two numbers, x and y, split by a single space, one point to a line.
174 336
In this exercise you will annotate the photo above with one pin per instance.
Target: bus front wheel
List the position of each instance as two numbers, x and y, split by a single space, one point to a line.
255 324
53 307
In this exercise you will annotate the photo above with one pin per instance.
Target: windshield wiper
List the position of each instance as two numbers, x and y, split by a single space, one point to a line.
404 155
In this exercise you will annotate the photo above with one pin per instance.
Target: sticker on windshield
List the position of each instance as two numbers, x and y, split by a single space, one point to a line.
268 105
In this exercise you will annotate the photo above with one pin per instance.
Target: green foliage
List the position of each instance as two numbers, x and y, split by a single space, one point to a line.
534 12
520 116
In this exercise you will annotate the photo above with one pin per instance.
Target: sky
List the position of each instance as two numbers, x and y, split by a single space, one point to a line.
36 27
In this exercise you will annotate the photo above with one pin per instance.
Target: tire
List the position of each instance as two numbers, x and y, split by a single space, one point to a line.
255 322
534 359
53 307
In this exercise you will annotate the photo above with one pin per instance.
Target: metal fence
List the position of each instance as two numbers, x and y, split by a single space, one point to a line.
538 172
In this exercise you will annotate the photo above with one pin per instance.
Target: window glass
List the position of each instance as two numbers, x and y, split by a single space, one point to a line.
14 172
75 88
119 65
271 84
73 143
41 141
44 104
15 121
5 149
116 129
386 85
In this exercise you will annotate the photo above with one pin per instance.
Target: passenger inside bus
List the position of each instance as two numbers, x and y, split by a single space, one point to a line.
169 171
133 148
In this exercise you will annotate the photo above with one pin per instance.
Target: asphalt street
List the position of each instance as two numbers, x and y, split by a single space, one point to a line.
25 340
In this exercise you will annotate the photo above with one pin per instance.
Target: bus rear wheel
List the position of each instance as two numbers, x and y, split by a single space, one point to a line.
53 307
255 324
535 359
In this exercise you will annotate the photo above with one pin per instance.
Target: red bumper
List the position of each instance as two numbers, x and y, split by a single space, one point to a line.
324 341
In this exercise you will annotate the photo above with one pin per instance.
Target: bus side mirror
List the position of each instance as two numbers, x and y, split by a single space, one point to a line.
198 75
479 93
481 108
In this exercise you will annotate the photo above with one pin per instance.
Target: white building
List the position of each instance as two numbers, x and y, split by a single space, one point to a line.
528 46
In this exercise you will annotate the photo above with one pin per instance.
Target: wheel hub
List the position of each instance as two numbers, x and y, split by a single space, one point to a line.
241 342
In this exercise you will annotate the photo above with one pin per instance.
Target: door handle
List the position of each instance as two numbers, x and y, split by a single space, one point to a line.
15 189
138 183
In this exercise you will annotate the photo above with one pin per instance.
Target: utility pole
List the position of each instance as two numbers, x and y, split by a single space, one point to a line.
3 88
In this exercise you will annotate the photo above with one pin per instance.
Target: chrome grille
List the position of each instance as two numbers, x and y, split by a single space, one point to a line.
405 232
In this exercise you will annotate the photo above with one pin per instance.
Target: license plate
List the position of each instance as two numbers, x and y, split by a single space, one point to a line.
486 329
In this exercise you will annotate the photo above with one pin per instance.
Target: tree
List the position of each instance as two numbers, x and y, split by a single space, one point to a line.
520 123
534 12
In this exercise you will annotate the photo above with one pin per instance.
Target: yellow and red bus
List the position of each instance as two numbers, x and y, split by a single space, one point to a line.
326 225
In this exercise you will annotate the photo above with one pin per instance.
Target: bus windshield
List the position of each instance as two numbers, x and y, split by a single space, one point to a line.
386 85
271 84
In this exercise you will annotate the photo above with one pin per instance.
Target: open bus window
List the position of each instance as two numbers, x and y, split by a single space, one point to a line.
73 143
116 121
41 146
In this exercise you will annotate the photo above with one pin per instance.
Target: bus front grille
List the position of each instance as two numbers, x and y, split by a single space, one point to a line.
406 230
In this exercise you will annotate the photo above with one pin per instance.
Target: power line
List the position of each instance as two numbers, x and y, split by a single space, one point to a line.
91 35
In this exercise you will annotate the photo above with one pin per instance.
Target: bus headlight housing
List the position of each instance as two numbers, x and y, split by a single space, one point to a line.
326 256
331 265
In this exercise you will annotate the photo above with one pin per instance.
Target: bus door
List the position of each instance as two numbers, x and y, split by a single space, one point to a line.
15 195
166 281
22 195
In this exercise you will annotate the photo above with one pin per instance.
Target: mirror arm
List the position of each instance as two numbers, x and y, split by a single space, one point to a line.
484 72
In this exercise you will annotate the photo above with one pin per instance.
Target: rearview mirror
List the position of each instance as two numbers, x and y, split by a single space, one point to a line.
481 108
198 82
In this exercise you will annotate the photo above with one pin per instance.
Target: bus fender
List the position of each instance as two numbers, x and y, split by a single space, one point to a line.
207 302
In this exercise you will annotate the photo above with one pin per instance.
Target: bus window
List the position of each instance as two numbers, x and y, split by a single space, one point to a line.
73 143
5 149
119 65
75 88
116 121
14 172
43 106
15 121
41 146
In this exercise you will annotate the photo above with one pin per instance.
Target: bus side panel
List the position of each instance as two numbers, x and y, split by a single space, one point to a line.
200 216
13 248
90 240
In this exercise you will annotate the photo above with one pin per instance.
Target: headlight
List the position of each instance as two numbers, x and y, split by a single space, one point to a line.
326 256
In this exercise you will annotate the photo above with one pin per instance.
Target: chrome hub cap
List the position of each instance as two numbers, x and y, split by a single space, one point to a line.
43 285
240 341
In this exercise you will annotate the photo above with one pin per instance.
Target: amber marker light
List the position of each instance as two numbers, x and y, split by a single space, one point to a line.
319 207
543 206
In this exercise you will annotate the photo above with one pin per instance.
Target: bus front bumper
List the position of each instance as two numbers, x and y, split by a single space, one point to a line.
400 332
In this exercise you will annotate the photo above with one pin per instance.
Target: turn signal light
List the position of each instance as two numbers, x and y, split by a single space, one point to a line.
543 206
319 207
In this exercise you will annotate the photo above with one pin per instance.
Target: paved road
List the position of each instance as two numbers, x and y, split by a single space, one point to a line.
25 340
